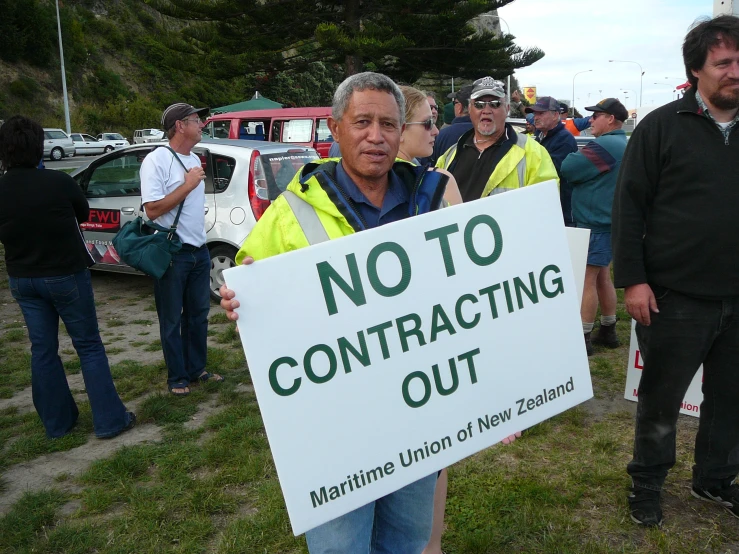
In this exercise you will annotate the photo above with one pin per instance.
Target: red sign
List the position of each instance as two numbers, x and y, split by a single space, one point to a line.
103 220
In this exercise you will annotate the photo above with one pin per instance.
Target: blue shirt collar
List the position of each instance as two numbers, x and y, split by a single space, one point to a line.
396 193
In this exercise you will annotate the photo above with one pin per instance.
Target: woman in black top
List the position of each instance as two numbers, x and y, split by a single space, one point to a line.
47 261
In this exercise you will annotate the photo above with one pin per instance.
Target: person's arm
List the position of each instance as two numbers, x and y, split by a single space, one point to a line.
153 178
539 165
451 195
586 164
582 123
635 190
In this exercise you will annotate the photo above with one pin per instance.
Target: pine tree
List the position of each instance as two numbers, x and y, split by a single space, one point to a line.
403 39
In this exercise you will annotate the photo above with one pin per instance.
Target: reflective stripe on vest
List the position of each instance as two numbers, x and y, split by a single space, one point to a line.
521 167
307 218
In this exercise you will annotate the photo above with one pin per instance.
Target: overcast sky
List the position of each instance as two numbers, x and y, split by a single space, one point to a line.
577 35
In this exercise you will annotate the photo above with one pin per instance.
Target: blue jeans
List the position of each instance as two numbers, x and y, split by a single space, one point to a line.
686 332
43 300
182 297
399 523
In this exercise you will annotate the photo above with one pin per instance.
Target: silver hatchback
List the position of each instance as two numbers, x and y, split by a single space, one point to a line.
57 144
242 178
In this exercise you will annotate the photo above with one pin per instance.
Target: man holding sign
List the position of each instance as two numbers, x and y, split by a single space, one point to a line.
328 200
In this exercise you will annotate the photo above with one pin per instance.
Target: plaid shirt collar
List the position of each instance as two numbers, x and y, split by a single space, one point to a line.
703 109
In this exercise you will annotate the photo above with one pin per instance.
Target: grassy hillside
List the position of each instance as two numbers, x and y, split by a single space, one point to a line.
120 73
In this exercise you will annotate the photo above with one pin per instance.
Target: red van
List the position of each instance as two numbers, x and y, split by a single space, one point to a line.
299 126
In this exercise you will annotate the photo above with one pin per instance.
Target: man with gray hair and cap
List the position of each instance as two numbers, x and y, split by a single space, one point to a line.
492 158
172 187
559 143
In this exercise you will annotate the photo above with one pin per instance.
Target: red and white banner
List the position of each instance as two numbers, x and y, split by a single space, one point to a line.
694 396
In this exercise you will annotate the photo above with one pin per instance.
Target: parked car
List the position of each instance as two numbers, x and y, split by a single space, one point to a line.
142 136
242 178
57 144
116 140
298 126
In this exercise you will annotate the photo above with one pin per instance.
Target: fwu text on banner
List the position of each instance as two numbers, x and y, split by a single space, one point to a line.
387 355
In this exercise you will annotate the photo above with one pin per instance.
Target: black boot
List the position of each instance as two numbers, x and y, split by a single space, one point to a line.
588 344
606 336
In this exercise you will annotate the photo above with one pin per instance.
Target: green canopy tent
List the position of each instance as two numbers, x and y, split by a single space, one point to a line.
258 102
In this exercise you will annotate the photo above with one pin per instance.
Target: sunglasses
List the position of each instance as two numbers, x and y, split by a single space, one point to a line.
596 115
428 124
480 104
434 107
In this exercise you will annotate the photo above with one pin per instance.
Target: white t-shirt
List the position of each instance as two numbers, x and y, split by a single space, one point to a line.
160 175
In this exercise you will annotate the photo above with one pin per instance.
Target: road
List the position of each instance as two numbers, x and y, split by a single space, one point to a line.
70 163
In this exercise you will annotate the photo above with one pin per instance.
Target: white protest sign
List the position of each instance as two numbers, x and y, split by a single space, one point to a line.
693 398
578 241
382 357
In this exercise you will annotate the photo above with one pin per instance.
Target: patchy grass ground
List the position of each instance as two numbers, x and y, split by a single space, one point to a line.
196 474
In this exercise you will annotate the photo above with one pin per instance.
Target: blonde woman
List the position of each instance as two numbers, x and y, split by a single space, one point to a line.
417 141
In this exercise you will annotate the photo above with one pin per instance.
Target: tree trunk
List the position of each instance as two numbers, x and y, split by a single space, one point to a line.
352 62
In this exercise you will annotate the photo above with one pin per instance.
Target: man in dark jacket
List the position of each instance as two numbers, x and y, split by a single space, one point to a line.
676 253
592 173
558 141
461 123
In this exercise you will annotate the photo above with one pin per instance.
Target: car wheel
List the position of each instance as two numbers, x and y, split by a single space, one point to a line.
221 257
57 154
108 149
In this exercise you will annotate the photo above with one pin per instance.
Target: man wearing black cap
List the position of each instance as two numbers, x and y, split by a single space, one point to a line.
592 173
170 179
459 126
558 141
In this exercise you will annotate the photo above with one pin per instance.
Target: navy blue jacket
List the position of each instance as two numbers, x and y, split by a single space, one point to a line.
559 142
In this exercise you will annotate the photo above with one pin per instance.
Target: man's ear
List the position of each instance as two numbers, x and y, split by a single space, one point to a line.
333 126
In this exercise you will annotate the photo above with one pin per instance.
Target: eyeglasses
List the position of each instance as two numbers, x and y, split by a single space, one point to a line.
434 107
428 124
480 104
197 120
596 115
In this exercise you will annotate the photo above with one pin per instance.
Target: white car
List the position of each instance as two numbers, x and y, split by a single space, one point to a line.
57 144
116 140
242 178
87 144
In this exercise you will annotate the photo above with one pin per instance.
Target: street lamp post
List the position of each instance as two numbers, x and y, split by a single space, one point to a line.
641 76
573 89
64 75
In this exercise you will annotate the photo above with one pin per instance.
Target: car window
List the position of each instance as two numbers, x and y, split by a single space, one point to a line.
118 176
323 134
297 130
223 169
76 137
91 139
57 135
47 136
113 136
281 167
252 130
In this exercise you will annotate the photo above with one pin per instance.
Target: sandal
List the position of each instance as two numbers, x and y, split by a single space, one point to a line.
206 376
179 389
